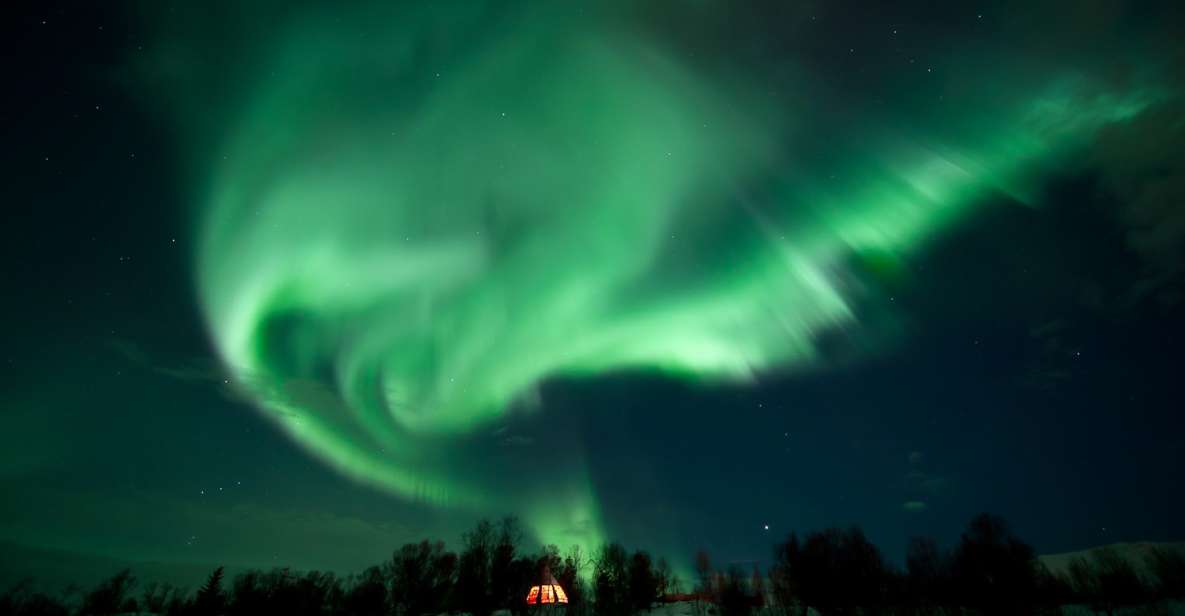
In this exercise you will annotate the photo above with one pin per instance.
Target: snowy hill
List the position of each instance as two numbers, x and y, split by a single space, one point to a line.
1135 553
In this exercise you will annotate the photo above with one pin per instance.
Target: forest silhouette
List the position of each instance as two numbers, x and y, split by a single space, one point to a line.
831 572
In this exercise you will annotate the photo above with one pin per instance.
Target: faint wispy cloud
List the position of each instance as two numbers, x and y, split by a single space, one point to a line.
517 440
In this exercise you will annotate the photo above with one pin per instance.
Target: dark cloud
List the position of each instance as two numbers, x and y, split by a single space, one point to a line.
193 370
517 440
914 506
921 485
1142 163
1047 367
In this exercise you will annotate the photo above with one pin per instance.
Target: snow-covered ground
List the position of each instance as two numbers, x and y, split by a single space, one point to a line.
688 608
1135 553
1164 609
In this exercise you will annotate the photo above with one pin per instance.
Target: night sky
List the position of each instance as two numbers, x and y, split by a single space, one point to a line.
294 283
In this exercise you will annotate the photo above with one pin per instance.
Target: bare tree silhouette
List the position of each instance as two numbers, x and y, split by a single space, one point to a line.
110 596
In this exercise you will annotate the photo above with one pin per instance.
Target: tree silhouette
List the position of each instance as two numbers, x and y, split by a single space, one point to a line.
210 600
830 573
757 586
19 600
473 574
157 597
704 574
643 584
1168 569
733 595
840 571
992 570
927 575
422 575
310 594
610 582
570 575
664 579
1107 581
366 594
249 594
282 591
507 577
110 596
549 557
490 572
1052 591
784 577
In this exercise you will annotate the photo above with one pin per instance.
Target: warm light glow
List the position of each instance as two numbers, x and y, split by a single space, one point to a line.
548 593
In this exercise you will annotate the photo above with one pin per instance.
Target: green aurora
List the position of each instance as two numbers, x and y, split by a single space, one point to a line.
413 217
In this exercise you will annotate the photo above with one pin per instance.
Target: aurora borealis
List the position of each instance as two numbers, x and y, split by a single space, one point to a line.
564 198
412 233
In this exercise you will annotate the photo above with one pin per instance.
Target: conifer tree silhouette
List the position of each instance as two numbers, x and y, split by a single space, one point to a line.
210 600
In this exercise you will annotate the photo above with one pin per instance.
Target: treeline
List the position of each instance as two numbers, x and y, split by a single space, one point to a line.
990 571
830 572
490 573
